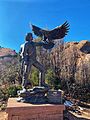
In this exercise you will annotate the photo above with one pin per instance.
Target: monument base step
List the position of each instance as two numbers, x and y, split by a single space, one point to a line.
24 111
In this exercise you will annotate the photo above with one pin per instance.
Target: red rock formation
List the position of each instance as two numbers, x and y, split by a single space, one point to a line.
6 51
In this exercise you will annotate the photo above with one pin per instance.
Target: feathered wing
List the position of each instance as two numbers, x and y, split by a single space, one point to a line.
37 31
59 32
56 33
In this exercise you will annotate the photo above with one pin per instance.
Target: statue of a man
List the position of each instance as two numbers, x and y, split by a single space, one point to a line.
28 55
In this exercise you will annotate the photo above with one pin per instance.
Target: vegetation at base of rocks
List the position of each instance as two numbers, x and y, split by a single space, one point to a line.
9 91
6 92
76 91
52 80
9 70
80 92
34 77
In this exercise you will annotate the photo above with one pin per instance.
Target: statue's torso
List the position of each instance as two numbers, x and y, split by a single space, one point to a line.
29 50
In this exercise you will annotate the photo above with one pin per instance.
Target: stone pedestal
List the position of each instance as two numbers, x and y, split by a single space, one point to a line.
25 111
54 96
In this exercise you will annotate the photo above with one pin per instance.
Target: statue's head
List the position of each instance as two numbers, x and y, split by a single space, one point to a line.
29 37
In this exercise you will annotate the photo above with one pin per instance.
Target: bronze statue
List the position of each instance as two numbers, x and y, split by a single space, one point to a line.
28 52
28 55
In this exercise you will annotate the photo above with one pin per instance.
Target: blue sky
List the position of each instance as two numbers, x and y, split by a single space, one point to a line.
15 16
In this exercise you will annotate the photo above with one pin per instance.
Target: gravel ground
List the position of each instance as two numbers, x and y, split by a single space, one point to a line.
3 115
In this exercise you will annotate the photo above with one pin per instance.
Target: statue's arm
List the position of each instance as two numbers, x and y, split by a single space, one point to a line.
26 46
20 54
39 43
43 42
23 50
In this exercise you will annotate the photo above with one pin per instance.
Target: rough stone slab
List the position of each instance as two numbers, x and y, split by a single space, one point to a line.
54 96
25 111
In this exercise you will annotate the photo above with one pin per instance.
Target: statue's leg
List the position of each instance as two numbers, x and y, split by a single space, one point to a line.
42 72
21 68
26 71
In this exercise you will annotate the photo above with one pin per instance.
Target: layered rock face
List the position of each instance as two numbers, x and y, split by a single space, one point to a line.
73 61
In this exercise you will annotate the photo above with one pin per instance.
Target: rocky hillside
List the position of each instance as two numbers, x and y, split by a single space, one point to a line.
6 52
73 61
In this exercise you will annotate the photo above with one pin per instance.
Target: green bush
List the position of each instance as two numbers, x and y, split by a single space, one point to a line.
34 77
50 77
12 91
52 80
19 87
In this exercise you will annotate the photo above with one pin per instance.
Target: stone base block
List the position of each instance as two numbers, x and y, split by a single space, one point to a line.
25 111
54 96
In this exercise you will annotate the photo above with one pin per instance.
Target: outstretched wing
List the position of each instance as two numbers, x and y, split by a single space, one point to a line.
59 32
37 31
56 33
